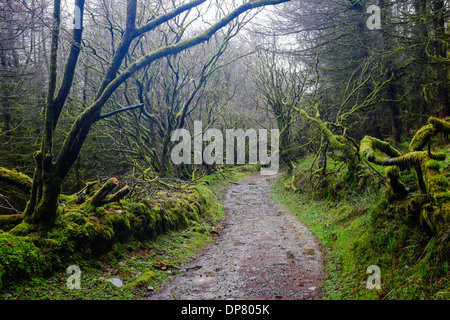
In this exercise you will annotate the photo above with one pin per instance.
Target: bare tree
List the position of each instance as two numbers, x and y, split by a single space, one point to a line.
50 170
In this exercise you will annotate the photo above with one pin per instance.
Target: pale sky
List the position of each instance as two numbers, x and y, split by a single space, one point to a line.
209 10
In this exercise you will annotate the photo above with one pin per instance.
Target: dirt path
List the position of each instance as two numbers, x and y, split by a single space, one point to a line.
262 253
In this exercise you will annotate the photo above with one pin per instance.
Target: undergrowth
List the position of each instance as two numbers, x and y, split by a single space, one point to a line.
362 230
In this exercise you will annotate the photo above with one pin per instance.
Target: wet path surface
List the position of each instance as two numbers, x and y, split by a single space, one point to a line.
262 252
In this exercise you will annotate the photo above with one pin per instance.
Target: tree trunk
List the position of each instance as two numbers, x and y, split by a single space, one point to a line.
48 177
45 212
420 7
283 123
395 115
441 55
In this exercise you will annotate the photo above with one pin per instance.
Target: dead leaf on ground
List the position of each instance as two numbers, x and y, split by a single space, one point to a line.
161 265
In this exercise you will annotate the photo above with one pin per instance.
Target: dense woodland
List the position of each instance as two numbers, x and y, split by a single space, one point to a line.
91 92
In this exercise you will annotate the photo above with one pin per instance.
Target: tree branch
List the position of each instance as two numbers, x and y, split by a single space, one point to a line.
119 111
72 60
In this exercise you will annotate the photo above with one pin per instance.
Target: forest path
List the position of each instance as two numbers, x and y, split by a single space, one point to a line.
262 252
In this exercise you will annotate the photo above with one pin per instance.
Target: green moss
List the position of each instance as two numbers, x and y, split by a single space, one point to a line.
443 196
435 184
121 225
370 149
203 193
17 178
15 189
144 279
433 164
19 258
441 125
438 182
76 216
422 137
22 229
414 263
67 200
7 222
396 189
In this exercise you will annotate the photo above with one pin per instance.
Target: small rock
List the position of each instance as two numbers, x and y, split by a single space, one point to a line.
150 288
312 288
116 281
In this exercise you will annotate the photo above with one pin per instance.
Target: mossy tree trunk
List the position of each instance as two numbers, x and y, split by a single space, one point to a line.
371 80
433 185
341 143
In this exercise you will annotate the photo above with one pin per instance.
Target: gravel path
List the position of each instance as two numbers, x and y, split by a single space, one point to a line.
262 253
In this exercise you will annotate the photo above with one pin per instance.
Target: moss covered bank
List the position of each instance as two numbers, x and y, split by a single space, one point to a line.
85 235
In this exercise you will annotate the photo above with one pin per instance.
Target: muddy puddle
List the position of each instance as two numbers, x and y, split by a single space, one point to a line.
262 253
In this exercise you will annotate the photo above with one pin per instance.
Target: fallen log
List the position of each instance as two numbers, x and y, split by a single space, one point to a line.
97 198
118 195
17 179
103 195
15 190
